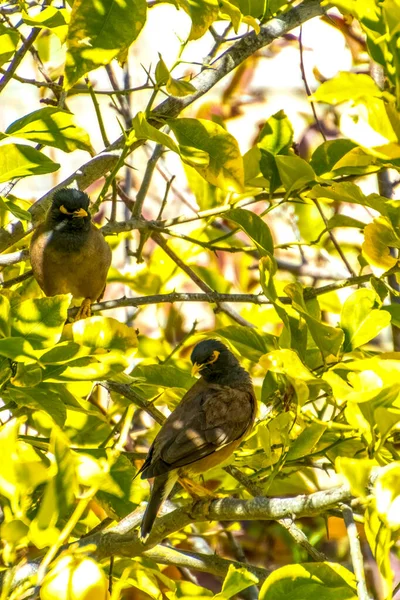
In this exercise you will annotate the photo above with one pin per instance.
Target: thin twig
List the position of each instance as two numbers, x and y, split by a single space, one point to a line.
228 310
98 113
18 57
308 91
144 188
355 553
333 239
165 199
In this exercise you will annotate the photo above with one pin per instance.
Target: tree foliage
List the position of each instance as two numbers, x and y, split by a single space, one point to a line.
311 234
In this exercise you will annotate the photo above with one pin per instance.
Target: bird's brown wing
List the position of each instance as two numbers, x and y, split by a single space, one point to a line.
208 417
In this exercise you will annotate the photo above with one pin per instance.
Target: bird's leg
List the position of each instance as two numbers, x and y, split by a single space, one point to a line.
85 310
196 490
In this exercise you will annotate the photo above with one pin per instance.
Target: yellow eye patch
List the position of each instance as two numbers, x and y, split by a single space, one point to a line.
213 358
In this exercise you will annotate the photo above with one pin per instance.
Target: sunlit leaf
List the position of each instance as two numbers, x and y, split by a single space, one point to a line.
202 13
40 321
18 160
312 580
9 39
360 320
346 86
379 237
51 18
99 31
52 127
255 227
225 169
236 580
294 172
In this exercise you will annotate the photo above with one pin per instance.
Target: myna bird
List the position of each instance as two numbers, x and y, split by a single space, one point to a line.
69 255
206 427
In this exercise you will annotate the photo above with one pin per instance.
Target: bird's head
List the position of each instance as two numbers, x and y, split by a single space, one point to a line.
213 360
71 207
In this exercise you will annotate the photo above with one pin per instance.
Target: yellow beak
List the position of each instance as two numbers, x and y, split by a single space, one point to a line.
196 369
81 212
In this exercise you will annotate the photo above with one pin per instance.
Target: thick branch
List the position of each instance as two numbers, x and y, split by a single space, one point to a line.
122 540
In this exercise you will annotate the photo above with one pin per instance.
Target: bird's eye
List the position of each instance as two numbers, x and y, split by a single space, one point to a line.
214 357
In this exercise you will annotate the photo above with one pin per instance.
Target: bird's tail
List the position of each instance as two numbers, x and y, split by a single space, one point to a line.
162 486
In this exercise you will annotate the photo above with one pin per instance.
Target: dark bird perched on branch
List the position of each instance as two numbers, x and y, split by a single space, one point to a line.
206 427
68 253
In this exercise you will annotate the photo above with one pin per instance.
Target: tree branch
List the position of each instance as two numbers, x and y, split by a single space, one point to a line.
201 562
355 553
18 56
122 540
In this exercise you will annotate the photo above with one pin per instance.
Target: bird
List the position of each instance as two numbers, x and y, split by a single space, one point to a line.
68 254
208 424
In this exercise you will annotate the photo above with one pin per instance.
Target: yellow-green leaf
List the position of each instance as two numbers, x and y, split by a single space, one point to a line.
99 31
19 160
225 169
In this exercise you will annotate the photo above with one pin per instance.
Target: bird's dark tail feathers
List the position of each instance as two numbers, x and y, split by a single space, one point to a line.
162 486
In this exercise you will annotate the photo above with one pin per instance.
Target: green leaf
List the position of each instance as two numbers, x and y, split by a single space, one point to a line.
387 494
294 172
142 130
18 160
225 169
346 86
51 18
186 590
343 221
18 349
40 321
327 338
379 237
254 8
269 169
276 136
323 581
180 87
357 473
164 376
4 316
15 210
9 39
52 127
232 12
122 473
254 226
203 13
250 343
306 442
288 362
394 311
66 482
236 580
99 31
360 320
328 154
103 333
161 72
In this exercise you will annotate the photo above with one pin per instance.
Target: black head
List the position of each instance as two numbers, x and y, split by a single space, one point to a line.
215 363
70 207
